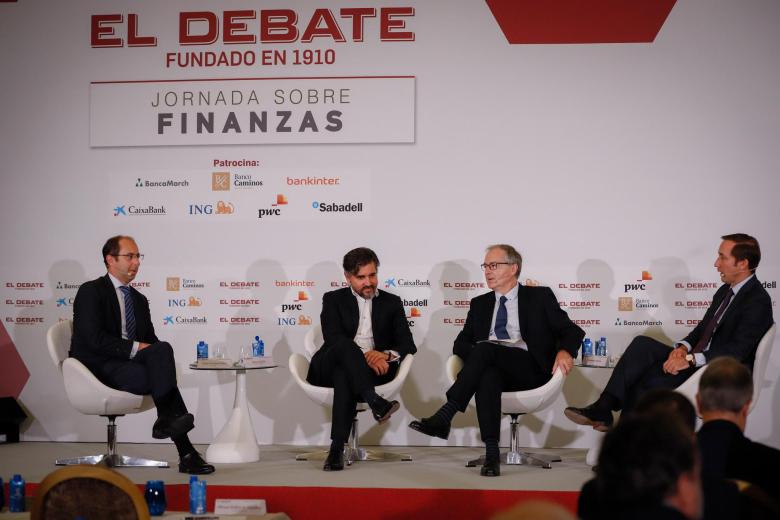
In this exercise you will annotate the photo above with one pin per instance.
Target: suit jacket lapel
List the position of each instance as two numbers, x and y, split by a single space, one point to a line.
742 294
487 321
113 302
352 311
521 311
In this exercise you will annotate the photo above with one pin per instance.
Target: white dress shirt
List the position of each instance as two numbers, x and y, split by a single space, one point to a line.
121 297
513 318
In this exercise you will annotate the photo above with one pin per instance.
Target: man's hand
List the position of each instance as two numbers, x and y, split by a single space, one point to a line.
563 361
678 352
674 364
142 346
377 361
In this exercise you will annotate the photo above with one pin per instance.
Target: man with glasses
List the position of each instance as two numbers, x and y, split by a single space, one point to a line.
114 338
514 338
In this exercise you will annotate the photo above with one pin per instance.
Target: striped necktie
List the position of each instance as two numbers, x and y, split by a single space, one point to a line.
709 329
129 312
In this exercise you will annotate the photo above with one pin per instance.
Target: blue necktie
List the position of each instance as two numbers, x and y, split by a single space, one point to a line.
129 312
501 319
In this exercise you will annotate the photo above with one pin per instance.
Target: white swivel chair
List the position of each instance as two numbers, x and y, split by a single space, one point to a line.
515 404
91 397
299 367
691 385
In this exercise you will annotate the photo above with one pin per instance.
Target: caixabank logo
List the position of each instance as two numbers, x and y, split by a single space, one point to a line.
407 283
133 210
184 320
65 302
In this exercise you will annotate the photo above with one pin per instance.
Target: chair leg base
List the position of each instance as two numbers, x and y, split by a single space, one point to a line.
517 458
113 461
357 455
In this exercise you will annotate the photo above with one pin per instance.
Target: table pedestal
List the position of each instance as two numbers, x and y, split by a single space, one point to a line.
236 442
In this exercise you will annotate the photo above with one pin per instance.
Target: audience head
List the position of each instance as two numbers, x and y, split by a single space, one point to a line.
648 460
667 401
725 387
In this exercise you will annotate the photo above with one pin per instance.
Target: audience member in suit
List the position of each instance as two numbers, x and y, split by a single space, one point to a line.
722 500
114 337
366 335
648 468
740 314
514 338
725 393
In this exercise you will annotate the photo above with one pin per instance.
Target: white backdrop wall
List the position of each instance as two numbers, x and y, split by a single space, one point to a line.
599 162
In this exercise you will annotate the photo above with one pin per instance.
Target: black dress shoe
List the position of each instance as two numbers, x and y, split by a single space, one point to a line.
383 409
194 464
165 427
432 427
334 460
599 418
491 468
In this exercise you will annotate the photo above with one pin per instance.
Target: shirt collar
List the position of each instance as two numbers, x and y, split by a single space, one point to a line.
117 283
741 284
511 295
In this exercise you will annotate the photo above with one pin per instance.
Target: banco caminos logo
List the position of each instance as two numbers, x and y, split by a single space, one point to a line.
625 303
172 283
220 181
244 181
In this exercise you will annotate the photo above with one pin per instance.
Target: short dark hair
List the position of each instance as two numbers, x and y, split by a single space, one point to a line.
111 247
357 258
642 459
667 401
513 256
725 385
745 248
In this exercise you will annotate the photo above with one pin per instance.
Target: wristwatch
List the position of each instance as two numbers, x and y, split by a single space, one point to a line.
691 359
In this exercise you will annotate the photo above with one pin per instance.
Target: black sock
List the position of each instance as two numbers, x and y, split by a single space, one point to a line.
183 445
491 449
370 397
446 412
608 402
336 445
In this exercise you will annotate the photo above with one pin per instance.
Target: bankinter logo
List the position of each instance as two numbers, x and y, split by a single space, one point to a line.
220 181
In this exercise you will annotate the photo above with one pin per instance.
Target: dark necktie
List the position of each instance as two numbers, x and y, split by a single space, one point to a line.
709 329
501 319
129 312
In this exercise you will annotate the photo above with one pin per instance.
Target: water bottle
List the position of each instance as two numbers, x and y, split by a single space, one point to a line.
194 500
587 347
2 495
258 347
603 346
203 350
16 494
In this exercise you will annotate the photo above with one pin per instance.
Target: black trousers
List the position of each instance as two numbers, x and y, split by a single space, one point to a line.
641 369
151 371
347 372
490 370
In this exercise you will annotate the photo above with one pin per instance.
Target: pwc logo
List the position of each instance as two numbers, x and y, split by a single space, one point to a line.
575 21
274 210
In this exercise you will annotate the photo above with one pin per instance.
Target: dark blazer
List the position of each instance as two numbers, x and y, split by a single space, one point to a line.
97 324
544 326
745 321
340 319
727 453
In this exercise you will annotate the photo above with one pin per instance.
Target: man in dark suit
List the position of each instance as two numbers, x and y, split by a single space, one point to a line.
366 335
114 337
725 393
740 314
514 338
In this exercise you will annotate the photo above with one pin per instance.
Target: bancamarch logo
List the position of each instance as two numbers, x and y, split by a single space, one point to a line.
185 320
333 207
637 323
168 183
68 285
138 211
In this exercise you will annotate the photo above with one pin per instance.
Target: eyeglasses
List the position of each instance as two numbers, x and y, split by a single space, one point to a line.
492 266
131 256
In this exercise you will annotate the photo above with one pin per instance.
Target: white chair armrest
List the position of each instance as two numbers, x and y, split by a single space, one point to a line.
89 396
391 388
299 368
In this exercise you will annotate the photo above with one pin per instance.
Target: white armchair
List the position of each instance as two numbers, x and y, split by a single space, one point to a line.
299 368
515 404
91 397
